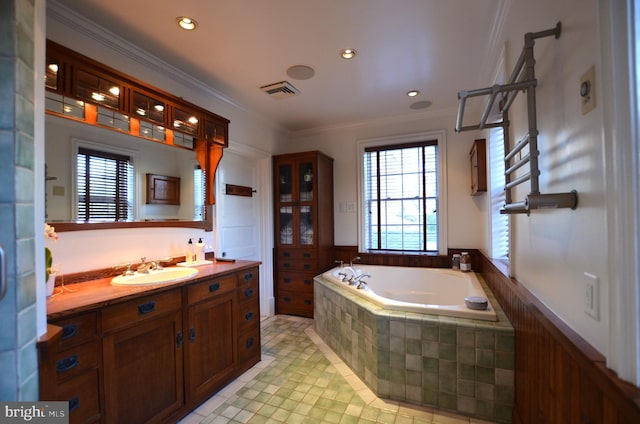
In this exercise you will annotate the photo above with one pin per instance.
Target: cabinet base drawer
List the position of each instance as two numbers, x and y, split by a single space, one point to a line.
298 282
249 347
249 316
289 303
82 393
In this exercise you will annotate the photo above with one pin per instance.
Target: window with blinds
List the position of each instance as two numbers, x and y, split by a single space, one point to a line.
499 222
104 186
401 197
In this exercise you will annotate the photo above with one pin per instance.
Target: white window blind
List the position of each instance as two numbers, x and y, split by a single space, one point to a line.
401 197
104 186
499 222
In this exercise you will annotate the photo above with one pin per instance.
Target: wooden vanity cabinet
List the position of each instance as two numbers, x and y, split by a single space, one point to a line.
143 357
211 355
73 372
155 357
303 200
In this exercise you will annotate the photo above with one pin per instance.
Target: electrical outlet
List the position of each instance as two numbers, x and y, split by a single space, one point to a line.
588 91
592 296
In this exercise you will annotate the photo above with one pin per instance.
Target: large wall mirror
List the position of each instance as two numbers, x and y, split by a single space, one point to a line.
63 187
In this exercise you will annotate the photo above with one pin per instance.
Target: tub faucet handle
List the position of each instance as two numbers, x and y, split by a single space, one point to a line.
359 281
340 262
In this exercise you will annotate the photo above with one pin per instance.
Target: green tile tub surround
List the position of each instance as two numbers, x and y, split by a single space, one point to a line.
454 364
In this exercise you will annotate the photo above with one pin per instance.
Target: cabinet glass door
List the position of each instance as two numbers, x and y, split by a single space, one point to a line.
305 182
285 220
285 185
306 225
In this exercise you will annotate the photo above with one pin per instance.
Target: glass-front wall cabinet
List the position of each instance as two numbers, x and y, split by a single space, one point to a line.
295 195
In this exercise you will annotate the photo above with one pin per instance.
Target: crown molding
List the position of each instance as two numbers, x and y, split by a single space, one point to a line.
384 121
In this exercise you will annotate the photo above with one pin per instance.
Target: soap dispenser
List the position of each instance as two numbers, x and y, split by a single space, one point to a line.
189 255
199 251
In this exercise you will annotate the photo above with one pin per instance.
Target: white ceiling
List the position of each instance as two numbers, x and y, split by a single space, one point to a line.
436 46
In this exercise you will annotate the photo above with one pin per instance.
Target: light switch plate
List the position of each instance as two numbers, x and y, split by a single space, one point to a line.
592 296
588 91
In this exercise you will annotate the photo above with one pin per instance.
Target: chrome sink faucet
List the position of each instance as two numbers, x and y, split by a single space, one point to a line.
144 267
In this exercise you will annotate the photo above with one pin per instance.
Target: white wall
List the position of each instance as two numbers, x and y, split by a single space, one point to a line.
552 249
467 214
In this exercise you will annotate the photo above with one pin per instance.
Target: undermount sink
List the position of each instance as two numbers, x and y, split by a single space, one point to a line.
161 276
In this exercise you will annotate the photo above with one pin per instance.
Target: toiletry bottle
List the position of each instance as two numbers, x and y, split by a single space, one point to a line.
465 262
188 257
455 263
199 251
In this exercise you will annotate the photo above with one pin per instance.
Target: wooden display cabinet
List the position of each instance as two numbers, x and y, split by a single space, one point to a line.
303 227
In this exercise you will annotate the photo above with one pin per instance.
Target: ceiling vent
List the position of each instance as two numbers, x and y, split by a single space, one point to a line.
280 90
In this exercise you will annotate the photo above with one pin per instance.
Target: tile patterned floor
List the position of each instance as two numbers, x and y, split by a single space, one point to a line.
301 380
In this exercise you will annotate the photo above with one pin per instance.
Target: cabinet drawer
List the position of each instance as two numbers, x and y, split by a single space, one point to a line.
249 315
77 329
310 254
249 345
295 282
73 361
141 309
295 303
83 394
210 288
249 287
297 264
249 277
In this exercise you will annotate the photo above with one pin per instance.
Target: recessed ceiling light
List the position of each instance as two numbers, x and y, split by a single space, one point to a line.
186 23
348 53
413 93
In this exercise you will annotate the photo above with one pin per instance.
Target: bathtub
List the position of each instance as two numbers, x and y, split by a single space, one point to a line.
408 351
434 291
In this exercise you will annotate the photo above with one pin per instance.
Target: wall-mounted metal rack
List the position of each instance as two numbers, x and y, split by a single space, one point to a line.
522 79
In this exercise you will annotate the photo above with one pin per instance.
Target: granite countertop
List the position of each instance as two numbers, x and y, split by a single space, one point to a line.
78 297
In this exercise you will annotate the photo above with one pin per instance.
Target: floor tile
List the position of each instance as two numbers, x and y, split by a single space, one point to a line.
301 380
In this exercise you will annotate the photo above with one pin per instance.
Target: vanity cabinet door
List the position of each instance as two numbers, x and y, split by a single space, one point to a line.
210 342
143 370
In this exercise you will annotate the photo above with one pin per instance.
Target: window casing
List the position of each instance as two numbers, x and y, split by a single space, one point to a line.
104 186
401 197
